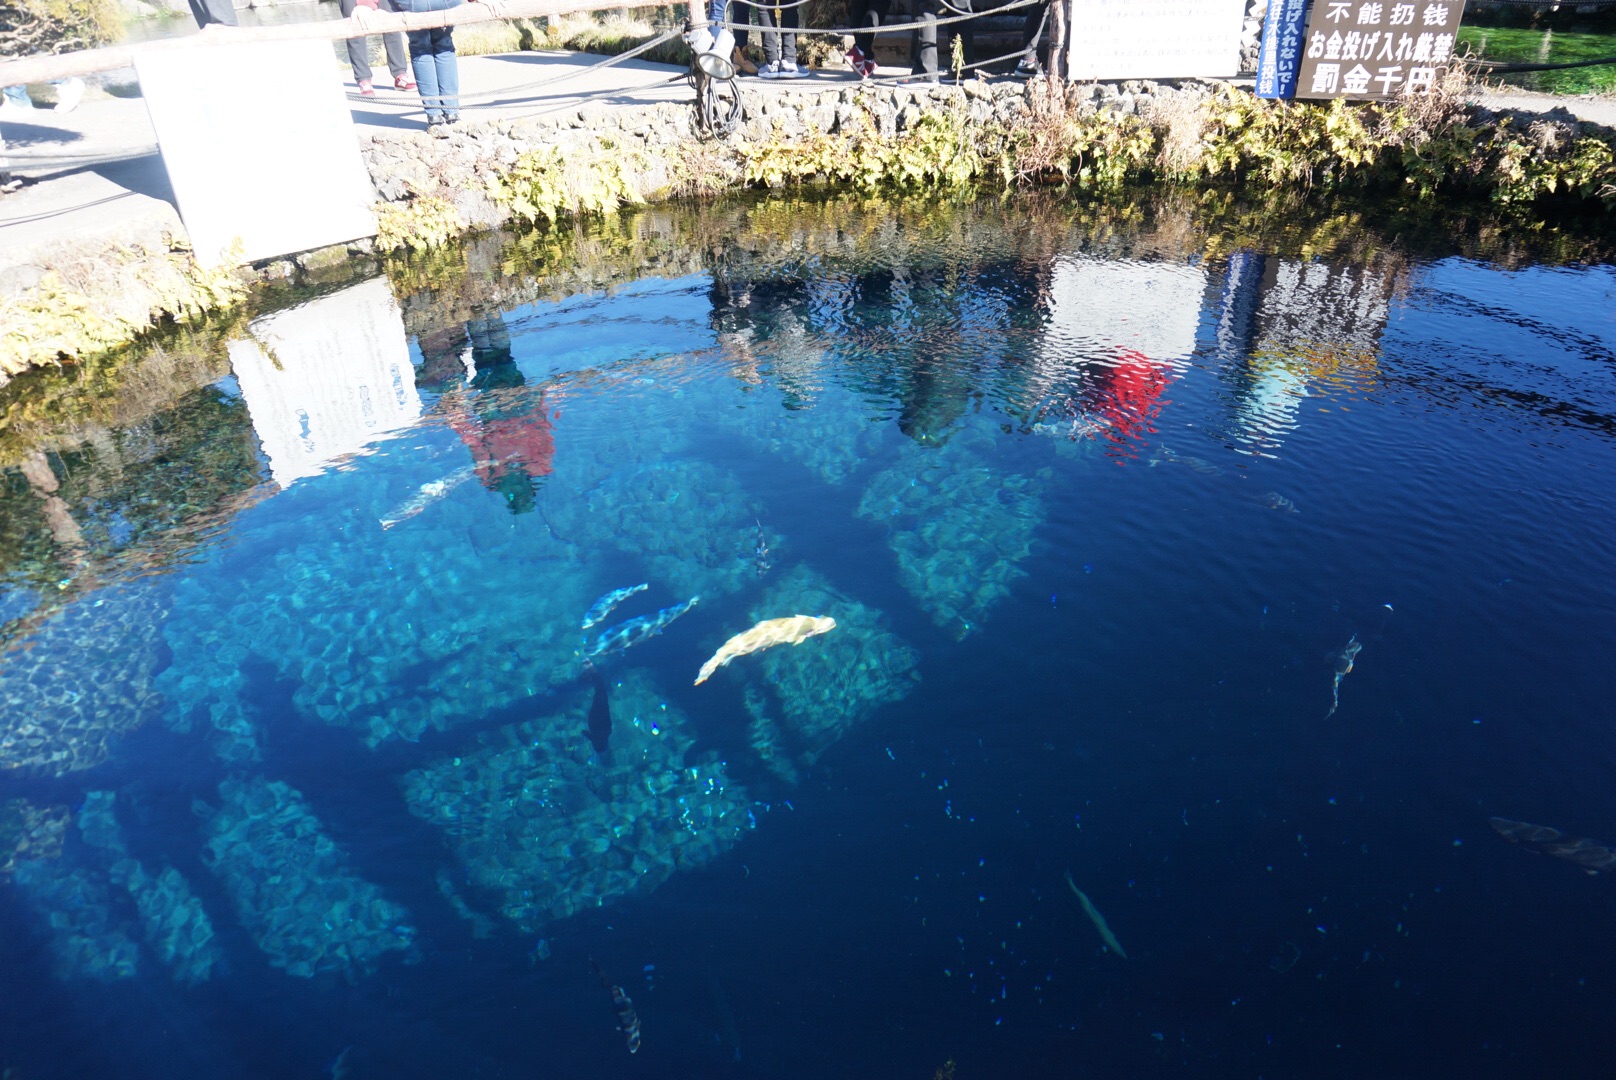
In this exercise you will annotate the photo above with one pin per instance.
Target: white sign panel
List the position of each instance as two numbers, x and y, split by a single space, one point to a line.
259 146
1155 39
326 379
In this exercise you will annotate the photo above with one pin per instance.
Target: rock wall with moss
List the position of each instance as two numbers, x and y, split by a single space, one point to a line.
971 137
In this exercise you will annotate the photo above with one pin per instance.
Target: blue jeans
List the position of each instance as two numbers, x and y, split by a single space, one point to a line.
432 58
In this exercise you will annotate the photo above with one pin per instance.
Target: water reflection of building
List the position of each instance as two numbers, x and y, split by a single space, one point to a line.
1287 327
324 379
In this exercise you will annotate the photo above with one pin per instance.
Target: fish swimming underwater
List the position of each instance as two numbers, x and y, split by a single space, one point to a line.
769 632
603 607
760 552
1593 857
1096 918
627 1018
1275 501
1195 464
429 493
1343 661
600 711
628 634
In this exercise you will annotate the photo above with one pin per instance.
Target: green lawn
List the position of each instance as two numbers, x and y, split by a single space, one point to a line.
1520 45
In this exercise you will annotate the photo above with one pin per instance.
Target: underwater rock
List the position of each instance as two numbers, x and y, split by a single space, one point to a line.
540 821
960 529
833 440
390 634
71 902
84 679
176 927
822 693
293 888
691 525
29 832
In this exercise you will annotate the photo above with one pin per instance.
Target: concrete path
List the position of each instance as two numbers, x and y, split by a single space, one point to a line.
113 135
1595 110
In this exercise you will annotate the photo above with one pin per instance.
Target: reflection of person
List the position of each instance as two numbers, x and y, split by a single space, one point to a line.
488 404
398 59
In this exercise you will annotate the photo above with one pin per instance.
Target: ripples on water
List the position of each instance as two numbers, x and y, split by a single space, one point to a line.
298 771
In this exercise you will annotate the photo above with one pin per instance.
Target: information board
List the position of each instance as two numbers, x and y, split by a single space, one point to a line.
1376 50
1155 39
260 147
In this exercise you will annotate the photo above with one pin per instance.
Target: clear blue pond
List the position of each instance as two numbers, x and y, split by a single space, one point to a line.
303 774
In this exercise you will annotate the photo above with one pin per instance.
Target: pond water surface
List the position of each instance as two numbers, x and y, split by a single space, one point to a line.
1197 605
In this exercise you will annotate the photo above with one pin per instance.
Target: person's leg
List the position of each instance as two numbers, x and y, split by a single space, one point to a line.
398 56
358 48
426 73
769 18
788 42
210 12
448 71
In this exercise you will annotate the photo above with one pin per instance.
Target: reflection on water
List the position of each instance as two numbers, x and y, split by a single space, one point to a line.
297 707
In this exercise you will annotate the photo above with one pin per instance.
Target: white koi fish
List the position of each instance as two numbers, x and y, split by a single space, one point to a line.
429 493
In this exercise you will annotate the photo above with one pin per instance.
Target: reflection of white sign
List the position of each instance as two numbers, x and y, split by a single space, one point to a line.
259 146
1155 39
324 379
1147 308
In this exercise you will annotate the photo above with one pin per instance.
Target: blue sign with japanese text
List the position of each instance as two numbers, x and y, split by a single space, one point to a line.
1281 55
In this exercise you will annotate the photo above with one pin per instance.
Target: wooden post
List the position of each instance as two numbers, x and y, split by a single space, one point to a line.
1057 38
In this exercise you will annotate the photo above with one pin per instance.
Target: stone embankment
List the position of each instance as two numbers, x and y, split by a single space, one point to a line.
431 190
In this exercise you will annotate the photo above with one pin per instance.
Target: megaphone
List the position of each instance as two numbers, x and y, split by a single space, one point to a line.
713 51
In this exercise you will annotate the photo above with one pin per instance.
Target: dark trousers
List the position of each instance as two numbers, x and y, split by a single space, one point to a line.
923 43
776 45
206 12
398 61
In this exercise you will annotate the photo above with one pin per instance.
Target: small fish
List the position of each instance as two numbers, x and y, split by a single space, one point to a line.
1200 465
603 607
1096 918
769 632
600 711
627 1018
1275 501
1593 857
760 551
628 634
1343 661
429 493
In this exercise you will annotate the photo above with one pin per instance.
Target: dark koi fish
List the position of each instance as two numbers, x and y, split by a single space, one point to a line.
627 1018
1591 855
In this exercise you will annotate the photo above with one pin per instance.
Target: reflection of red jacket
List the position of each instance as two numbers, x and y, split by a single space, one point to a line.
501 444
1130 395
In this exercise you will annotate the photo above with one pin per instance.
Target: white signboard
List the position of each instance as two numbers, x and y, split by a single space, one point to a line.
259 146
1155 39
326 379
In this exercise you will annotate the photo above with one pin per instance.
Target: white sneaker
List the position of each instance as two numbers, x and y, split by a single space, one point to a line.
69 94
789 70
771 70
